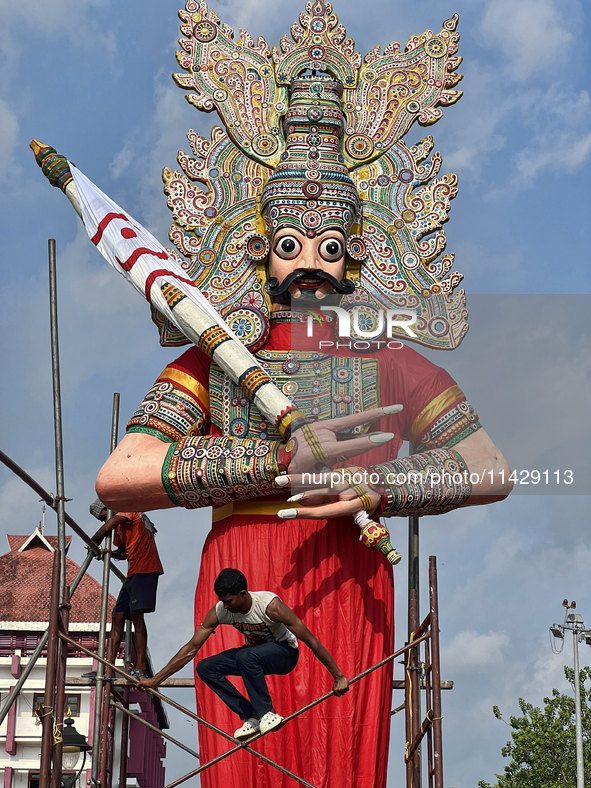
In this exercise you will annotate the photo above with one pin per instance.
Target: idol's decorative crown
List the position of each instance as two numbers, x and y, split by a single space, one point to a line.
313 138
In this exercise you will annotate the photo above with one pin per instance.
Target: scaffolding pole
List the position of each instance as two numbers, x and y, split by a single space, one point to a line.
60 697
437 765
50 674
413 561
125 718
431 725
412 668
98 742
57 416
413 699
60 499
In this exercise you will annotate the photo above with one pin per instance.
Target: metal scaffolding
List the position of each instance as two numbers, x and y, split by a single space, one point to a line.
421 652
420 673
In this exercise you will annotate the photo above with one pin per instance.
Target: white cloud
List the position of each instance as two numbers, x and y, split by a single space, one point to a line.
547 672
510 94
468 650
478 121
554 120
122 159
147 150
19 505
564 151
532 34
257 15
249 13
8 137
559 120
72 18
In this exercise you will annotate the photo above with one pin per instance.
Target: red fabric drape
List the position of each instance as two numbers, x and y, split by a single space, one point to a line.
344 593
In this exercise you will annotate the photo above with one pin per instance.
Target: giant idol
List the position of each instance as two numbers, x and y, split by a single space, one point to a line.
309 253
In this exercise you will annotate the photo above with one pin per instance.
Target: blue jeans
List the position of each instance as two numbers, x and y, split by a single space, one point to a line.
253 663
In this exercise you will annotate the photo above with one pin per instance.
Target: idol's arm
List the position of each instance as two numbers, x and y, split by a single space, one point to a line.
145 472
435 481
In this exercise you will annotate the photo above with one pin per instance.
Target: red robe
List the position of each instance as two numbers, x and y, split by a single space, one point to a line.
343 592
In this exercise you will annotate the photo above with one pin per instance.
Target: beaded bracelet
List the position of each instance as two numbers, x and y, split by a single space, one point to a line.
213 471
433 482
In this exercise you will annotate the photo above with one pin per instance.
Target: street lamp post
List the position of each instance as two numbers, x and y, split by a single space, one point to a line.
573 622
73 744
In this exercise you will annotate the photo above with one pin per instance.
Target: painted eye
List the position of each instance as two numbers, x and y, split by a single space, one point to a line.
288 247
331 250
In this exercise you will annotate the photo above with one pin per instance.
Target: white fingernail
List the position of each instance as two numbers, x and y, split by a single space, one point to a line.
381 437
281 481
295 498
287 514
390 409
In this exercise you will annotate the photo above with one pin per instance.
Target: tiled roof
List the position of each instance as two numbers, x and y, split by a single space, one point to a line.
25 579
16 542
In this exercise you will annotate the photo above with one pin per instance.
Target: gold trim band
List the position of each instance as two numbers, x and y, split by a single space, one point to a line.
435 408
247 507
187 382
314 443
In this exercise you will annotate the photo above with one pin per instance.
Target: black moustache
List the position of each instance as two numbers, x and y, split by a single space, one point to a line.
279 291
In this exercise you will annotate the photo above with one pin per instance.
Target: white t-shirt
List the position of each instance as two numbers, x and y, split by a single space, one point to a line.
256 626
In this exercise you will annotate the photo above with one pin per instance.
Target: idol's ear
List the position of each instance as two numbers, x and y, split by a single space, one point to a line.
236 78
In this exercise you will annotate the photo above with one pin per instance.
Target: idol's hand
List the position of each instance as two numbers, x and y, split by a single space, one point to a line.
320 442
343 497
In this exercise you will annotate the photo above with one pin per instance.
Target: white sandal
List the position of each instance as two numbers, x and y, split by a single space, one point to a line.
270 721
248 729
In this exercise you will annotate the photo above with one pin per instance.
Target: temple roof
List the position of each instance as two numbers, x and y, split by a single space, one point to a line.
25 579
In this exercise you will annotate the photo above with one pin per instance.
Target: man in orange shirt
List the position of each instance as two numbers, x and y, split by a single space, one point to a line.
134 538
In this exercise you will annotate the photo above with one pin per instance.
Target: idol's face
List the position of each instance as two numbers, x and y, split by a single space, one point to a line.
292 251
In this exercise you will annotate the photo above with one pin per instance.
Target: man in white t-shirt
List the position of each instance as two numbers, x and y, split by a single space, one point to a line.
270 629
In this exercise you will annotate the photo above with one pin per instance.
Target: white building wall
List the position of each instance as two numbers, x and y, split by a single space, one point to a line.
27 731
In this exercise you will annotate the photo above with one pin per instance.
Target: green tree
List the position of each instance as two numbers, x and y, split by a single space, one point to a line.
542 747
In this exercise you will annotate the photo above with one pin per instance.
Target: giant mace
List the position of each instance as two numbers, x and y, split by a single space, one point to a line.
309 250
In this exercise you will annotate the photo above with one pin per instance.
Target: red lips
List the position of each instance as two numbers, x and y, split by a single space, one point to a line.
308 282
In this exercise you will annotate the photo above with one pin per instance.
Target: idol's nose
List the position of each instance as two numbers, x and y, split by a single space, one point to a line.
309 259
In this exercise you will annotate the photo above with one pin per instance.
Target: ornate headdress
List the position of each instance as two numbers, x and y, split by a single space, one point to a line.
313 138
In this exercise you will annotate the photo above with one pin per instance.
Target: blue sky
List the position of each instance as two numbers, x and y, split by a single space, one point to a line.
92 78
